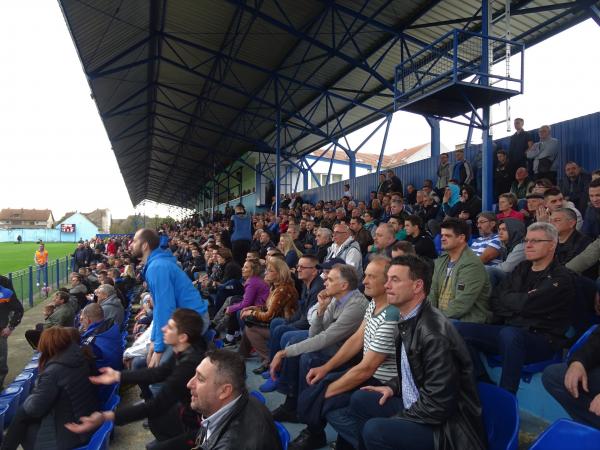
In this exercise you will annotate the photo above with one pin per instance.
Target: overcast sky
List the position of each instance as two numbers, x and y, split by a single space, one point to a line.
56 153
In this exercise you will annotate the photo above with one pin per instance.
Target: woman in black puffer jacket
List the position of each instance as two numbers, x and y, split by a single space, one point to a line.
62 394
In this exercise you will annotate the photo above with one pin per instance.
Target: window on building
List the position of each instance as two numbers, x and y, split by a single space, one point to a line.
334 178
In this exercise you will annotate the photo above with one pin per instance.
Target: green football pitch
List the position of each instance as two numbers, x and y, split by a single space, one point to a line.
15 257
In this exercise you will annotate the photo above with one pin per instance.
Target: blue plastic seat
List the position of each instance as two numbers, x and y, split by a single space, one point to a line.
3 410
112 403
24 379
284 435
528 370
500 417
582 340
11 398
210 335
259 396
100 438
106 393
566 434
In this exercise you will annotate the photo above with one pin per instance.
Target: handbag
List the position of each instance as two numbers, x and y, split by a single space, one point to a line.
252 322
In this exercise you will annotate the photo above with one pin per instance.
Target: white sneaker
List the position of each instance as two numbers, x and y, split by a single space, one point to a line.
37 284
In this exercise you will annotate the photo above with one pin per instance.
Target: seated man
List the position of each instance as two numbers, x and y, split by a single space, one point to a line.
385 237
534 306
460 287
102 336
58 313
345 247
374 338
168 412
416 235
570 241
433 403
487 246
110 303
323 238
341 308
562 382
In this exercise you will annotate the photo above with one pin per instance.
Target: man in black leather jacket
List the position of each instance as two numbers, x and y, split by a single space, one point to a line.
533 309
433 404
231 419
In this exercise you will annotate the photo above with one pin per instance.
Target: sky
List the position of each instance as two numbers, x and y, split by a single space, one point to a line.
56 153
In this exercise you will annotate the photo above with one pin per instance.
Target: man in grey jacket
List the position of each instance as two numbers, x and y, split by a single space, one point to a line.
110 303
340 311
545 155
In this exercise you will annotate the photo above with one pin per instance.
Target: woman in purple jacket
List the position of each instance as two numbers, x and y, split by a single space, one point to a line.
256 291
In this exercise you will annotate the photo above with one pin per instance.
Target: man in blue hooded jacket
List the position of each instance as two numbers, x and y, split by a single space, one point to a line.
103 336
169 286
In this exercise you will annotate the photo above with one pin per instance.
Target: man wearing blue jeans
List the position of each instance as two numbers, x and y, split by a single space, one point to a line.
534 304
341 308
433 403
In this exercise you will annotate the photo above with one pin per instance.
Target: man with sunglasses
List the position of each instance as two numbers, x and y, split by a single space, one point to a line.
532 308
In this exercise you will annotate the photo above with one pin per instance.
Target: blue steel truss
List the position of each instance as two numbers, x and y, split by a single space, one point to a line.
333 76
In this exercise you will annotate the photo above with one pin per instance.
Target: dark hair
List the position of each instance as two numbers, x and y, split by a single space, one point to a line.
189 322
311 258
458 227
64 296
596 182
418 269
501 152
150 236
53 341
225 253
552 192
370 212
404 246
415 221
230 368
358 219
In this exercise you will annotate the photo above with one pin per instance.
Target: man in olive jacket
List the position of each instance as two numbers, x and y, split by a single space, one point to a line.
460 287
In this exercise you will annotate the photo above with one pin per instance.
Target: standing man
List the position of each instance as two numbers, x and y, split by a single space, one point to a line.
41 261
461 170
241 234
545 155
169 286
11 313
520 142
395 185
443 173
591 221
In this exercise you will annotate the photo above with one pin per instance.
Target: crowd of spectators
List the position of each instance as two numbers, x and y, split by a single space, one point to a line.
369 314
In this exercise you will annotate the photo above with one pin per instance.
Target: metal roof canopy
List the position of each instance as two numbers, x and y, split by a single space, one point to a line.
186 87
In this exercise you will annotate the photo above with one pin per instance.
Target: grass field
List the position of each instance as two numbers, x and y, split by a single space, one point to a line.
15 257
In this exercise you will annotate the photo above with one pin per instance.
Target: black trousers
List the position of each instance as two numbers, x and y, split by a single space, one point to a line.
240 249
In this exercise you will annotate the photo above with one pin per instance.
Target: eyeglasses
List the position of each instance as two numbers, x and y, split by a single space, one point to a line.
535 241
340 232
299 267
481 222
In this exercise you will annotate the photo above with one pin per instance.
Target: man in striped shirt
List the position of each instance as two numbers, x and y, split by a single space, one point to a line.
376 338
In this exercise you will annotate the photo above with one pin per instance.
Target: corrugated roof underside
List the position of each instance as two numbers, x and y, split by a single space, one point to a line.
185 87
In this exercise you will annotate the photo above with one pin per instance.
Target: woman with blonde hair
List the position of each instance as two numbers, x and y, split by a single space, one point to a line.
282 302
289 249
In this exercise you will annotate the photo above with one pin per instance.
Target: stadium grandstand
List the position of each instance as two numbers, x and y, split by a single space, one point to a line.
449 302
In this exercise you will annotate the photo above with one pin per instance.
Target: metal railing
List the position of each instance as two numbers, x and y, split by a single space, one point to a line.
34 283
457 57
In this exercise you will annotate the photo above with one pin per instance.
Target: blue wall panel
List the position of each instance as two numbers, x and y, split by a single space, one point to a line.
579 138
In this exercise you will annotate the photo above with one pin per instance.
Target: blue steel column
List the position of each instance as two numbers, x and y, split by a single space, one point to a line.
434 124
352 161
486 146
277 151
